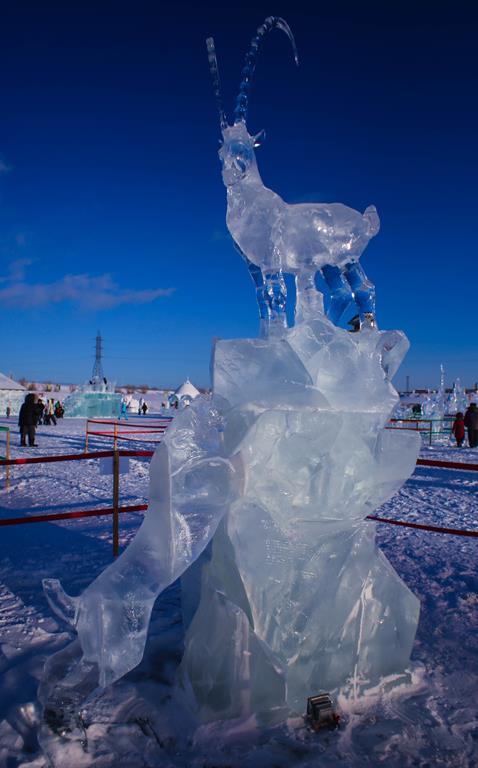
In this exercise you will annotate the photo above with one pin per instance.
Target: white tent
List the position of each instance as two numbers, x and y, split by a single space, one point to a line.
12 395
187 390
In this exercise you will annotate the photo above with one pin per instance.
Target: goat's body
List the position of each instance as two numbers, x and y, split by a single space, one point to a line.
300 239
295 237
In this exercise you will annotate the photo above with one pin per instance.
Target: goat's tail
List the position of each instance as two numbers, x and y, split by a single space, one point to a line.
272 22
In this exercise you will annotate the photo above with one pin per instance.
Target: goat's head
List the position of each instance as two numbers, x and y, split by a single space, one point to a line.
237 150
237 153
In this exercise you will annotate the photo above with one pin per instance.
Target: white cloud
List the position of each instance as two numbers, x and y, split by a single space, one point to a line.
86 291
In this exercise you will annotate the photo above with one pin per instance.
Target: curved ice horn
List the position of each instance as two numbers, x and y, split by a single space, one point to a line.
213 68
272 22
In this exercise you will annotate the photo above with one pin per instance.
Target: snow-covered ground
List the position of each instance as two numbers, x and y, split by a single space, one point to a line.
431 722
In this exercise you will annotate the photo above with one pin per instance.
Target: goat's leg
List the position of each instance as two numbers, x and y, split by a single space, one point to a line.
309 300
260 286
264 309
340 292
363 291
276 298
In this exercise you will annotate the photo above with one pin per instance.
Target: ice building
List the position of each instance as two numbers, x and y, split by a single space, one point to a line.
97 397
12 394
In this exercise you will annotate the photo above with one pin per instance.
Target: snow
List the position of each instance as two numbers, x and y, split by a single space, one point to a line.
433 720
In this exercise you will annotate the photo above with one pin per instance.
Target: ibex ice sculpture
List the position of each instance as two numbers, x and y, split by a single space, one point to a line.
275 237
259 493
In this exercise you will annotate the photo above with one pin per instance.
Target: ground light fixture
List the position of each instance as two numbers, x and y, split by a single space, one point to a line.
321 713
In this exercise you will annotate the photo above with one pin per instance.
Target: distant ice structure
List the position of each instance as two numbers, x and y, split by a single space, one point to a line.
184 394
12 395
434 406
259 492
457 400
92 401
97 397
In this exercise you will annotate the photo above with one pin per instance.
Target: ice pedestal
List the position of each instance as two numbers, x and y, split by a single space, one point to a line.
258 500
308 412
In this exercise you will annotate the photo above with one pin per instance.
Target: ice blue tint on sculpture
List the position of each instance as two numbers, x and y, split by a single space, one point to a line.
259 493
279 237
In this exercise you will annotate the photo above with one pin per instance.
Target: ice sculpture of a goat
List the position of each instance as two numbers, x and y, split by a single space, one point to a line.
275 237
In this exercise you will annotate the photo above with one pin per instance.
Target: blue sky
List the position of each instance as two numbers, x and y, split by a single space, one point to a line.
112 208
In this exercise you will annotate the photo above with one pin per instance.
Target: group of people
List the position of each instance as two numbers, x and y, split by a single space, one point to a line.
468 421
142 408
33 412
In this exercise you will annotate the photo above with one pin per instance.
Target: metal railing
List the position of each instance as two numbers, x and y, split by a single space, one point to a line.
126 430
6 430
432 428
115 510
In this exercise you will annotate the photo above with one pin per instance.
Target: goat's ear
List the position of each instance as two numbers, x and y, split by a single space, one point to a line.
259 138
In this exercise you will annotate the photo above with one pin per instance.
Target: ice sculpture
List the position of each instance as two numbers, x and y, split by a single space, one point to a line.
275 237
259 492
457 400
434 405
94 399
11 399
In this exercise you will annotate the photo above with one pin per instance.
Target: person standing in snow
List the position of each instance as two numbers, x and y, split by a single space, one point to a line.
458 429
28 419
50 408
124 410
144 407
471 423
40 407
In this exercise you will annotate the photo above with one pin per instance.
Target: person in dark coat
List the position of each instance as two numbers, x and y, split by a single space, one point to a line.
458 429
28 419
471 423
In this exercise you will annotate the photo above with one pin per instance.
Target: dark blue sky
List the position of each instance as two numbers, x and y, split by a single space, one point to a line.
112 208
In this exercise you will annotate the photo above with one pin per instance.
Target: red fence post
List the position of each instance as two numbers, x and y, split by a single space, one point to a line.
7 468
116 503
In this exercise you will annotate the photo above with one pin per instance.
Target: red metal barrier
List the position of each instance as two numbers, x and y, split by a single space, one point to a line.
159 427
448 464
118 422
423 527
72 515
116 509
74 457
144 507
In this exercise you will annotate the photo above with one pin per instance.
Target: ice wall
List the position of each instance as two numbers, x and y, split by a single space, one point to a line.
92 405
12 399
